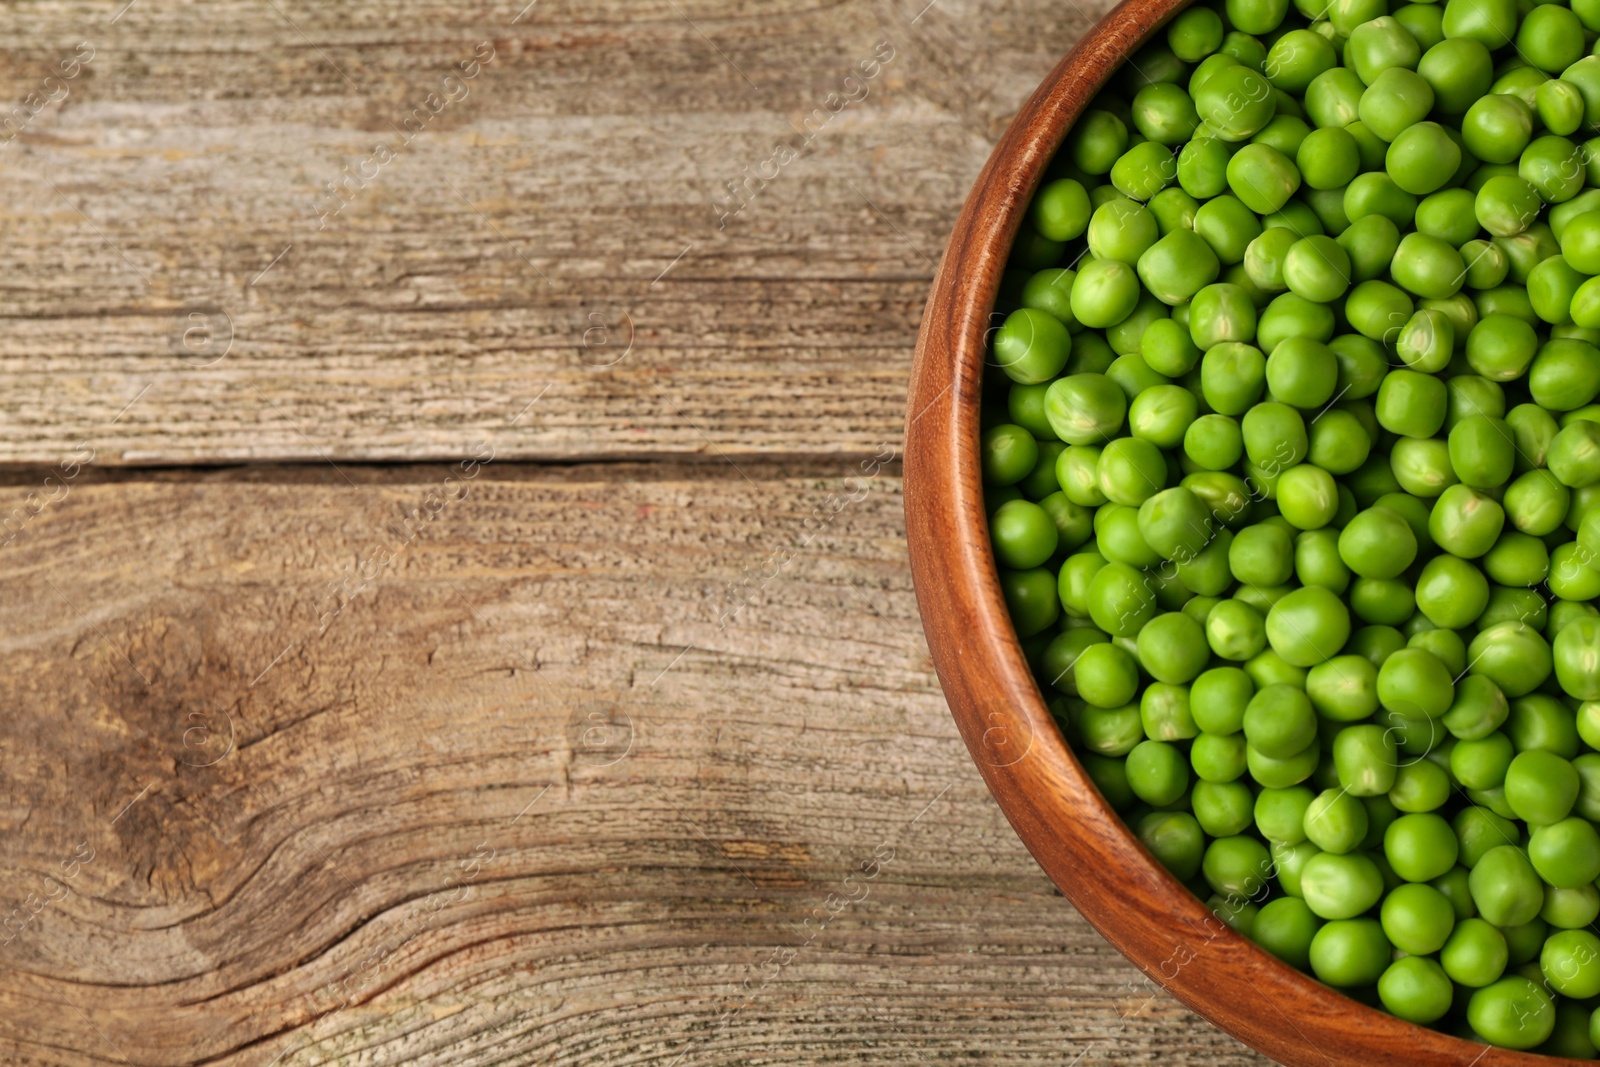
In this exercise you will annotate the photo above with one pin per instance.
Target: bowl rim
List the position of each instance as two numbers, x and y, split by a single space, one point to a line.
1039 784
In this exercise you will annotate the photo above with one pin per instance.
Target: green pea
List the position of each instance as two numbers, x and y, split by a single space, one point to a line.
1031 347
1564 853
1422 158
1167 348
1162 413
1447 215
1425 22
1422 467
1286 927
1344 689
1447 645
1375 193
1262 178
1195 34
1172 648
1034 251
1107 676
1565 375
1552 285
1076 472
1459 70
1574 455
1214 442
1265 256
1218 697
1206 572
1411 404
1175 839
1228 227
1289 316
1492 23
1279 721
1256 16
1339 443
1475 954
1478 830
1482 450
1328 158
1119 601
1349 952
1550 40
1308 626
1513 1012
1176 267
1560 106
1023 534
1517 559
1451 592
1333 98
1506 205
1336 823
1227 494
1535 429
1220 313
1465 522
1223 809
1302 372
1030 597
1090 352
1164 114
1202 166
1235 102
1427 341
1121 230
1131 470
1576 651
1417 919
1554 167
1009 453
1060 210
1379 310
1144 170
1097 139
1235 631
1104 293
1378 543
1420 786
1511 654
1580 242
1486 264
1570 909
1395 99
1085 409
1340 886
1307 496
1219 758
1379 44
1236 866
1280 814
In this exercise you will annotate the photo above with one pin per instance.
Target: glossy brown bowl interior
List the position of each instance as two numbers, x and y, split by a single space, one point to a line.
1079 841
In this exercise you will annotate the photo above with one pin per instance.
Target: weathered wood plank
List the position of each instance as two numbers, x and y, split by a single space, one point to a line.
553 231
525 799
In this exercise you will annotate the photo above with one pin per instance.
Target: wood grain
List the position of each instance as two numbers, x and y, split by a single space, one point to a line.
527 238
655 826
308 761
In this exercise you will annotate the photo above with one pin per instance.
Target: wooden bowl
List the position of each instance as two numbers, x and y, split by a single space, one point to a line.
1055 808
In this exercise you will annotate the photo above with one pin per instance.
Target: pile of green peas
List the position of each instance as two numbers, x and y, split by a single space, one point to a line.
1292 463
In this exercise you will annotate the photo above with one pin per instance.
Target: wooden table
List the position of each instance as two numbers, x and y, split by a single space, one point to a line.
454 593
